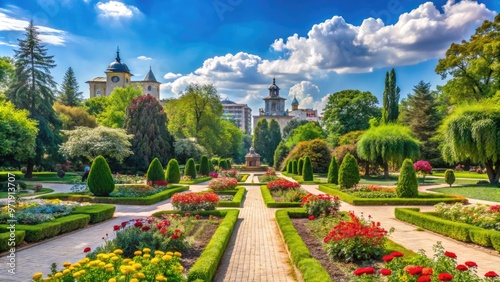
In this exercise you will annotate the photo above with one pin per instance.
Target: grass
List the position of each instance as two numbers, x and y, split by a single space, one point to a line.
464 174
479 192
4 195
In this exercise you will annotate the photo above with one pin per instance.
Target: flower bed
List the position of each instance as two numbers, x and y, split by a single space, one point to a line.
231 173
270 201
270 175
484 216
237 194
139 190
282 184
223 183
321 204
195 201
37 211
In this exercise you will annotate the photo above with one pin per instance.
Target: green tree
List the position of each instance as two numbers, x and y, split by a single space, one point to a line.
274 139
115 113
149 141
186 148
349 172
473 65
318 152
173 174
389 143
261 140
300 166
350 110
390 107
155 171
289 166
112 143
69 94
18 133
280 154
32 90
307 172
407 182
190 169
291 125
6 73
95 106
73 117
309 131
473 132
100 180
204 166
449 177
294 167
333 172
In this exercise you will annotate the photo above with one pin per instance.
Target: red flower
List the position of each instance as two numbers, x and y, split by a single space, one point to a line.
163 231
364 270
116 227
197 216
450 255
491 274
416 270
462 267
427 271
177 231
124 224
175 236
445 277
311 217
138 224
385 271
396 254
424 278
86 250
470 264
145 228
187 214
387 258
370 270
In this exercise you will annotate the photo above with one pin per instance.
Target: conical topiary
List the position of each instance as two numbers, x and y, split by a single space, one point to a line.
289 167
228 163
407 182
215 161
449 177
155 171
349 172
300 166
294 167
307 171
173 174
333 172
100 180
190 169
204 166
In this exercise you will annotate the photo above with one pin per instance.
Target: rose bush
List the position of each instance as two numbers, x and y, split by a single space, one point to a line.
282 184
321 204
195 201
223 183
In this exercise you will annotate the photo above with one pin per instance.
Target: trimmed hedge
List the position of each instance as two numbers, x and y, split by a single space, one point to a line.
149 200
4 240
348 172
307 170
244 178
73 222
238 195
97 213
100 180
155 171
204 165
407 181
205 266
35 233
197 180
4 175
190 169
424 198
309 267
173 172
271 203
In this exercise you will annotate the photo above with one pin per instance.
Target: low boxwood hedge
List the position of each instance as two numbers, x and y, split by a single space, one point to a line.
271 203
300 179
423 199
244 178
73 222
456 230
205 266
35 233
149 200
238 195
97 212
196 181
310 269
6 245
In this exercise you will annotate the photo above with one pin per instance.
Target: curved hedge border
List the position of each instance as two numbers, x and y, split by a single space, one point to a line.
238 195
456 230
97 213
205 266
4 240
310 269
196 181
328 188
244 178
149 200
271 203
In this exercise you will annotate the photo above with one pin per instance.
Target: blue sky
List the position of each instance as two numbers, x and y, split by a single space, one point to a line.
313 48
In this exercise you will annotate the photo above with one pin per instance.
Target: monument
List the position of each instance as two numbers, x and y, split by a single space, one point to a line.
252 159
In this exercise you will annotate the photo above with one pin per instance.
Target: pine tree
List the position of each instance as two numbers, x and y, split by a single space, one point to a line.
32 90
261 140
69 94
173 174
190 169
390 100
280 154
333 172
274 139
307 171
295 167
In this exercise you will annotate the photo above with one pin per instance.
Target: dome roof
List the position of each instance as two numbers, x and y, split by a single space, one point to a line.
274 86
117 65
295 101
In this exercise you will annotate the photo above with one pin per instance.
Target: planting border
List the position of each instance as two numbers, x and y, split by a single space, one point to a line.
327 188
300 179
196 181
5 236
456 230
206 265
238 195
271 203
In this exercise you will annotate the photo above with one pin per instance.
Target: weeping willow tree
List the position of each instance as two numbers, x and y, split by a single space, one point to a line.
390 143
472 132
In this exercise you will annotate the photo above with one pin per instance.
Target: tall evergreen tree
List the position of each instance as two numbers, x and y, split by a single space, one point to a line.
280 154
32 90
147 121
390 107
274 140
261 140
69 94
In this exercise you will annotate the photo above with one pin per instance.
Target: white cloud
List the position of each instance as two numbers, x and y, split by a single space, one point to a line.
144 58
47 35
306 92
172 75
116 9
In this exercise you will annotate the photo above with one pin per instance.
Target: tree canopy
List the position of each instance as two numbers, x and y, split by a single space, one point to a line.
390 106
18 133
291 125
6 72
69 93
95 106
261 140
306 132
274 139
72 117
115 111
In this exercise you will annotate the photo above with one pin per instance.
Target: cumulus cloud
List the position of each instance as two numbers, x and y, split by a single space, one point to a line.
116 9
306 92
172 75
47 35
144 58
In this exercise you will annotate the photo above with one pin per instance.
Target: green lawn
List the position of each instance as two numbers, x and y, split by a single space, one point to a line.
464 174
4 195
487 193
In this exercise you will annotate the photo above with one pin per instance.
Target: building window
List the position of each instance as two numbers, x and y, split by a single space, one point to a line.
98 93
149 87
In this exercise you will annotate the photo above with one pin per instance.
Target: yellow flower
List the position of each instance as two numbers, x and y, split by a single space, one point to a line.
102 264
146 256
108 265
115 258
122 278
37 276
177 254
94 263
161 278
66 271
67 264
166 257
118 251
112 280
76 274
57 275
105 257
159 253
76 265
134 280
84 260
82 271
170 253
180 268
110 269
125 261
137 266
137 253
131 263
146 250
155 261
71 268
126 269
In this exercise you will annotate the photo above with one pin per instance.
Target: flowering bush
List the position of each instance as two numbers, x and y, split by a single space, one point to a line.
289 195
356 240
371 191
158 183
195 201
321 204
38 187
136 190
223 183
423 167
232 173
112 267
479 215
282 184
269 175
213 174
38 211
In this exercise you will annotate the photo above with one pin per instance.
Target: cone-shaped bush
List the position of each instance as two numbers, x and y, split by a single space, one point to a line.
307 171
155 171
348 172
300 166
407 181
204 165
449 177
333 172
100 180
222 164
295 169
215 161
173 174
190 169
289 167
228 163
197 166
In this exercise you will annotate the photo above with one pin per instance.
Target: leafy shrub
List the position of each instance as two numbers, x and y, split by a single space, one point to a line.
423 167
294 167
5 236
349 172
204 166
228 162
223 164
449 177
407 182
195 201
282 184
197 167
155 171
223 183
190 169
173 174
318 152
300 166
321 204
100 180
269 175
97 212
333 172
307 171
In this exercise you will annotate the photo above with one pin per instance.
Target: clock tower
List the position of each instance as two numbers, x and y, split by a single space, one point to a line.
117 74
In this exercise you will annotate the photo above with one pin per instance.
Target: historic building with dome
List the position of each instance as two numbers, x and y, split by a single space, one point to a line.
119 75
